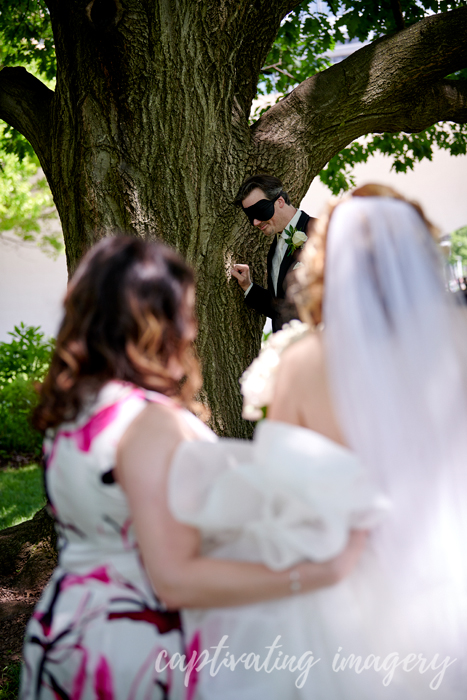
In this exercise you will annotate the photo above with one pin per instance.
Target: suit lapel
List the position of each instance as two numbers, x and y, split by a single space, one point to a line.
286 263
271 251
289 260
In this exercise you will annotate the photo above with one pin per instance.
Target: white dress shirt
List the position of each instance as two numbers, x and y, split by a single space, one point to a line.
280 251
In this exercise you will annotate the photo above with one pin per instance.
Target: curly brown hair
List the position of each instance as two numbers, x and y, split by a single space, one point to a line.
127 312
308 291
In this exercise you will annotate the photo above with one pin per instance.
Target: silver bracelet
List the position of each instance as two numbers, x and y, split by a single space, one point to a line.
295 583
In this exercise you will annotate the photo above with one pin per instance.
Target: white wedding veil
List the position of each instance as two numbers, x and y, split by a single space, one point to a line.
396 349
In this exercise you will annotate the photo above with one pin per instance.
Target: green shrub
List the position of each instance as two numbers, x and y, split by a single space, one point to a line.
23 361
17 401
27 355
9 681
21 494
459 245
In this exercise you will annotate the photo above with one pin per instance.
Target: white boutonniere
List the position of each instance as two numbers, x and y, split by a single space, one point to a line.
259 380
294 239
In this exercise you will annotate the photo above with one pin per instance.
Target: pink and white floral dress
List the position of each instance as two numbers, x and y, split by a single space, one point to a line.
99 626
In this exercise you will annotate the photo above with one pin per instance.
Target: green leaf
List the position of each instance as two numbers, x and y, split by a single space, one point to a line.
26 356
25 199
459 246
26 36
405 151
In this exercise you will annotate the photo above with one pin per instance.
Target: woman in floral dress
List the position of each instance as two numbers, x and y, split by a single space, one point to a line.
114 408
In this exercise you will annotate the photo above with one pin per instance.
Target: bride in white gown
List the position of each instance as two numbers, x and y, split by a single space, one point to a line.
366 428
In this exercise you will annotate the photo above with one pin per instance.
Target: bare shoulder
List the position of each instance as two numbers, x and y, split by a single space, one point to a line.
162 420
151 440
302 364
304 359
157 424
302 394
299 377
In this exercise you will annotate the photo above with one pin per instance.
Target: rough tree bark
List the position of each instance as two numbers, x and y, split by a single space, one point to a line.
147 132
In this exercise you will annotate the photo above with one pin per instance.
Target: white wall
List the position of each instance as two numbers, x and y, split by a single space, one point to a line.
439 186
32 285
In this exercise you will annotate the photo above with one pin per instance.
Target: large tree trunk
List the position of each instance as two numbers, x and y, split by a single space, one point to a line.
147 132
149 138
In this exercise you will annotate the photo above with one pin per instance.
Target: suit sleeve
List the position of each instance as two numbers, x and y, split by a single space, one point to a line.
260 300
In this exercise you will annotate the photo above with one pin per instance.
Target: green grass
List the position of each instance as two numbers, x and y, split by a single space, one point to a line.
9 681
21 494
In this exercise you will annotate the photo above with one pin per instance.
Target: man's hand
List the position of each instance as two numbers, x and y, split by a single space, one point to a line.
242 274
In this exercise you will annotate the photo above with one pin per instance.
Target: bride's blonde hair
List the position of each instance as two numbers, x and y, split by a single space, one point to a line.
308 291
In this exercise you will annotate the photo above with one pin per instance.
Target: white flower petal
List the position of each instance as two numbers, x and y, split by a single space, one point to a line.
299 237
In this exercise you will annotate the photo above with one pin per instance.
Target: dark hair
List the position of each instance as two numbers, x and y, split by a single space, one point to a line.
126 315
271 186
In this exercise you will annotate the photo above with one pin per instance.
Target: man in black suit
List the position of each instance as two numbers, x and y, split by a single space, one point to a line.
268 208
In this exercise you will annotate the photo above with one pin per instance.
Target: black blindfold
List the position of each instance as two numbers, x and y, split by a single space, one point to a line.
262 210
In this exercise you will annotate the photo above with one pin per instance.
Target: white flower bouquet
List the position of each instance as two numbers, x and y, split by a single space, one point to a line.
258 381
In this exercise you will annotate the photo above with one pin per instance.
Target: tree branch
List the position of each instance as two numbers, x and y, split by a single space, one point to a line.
25 104
253 33
447 100
394 84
